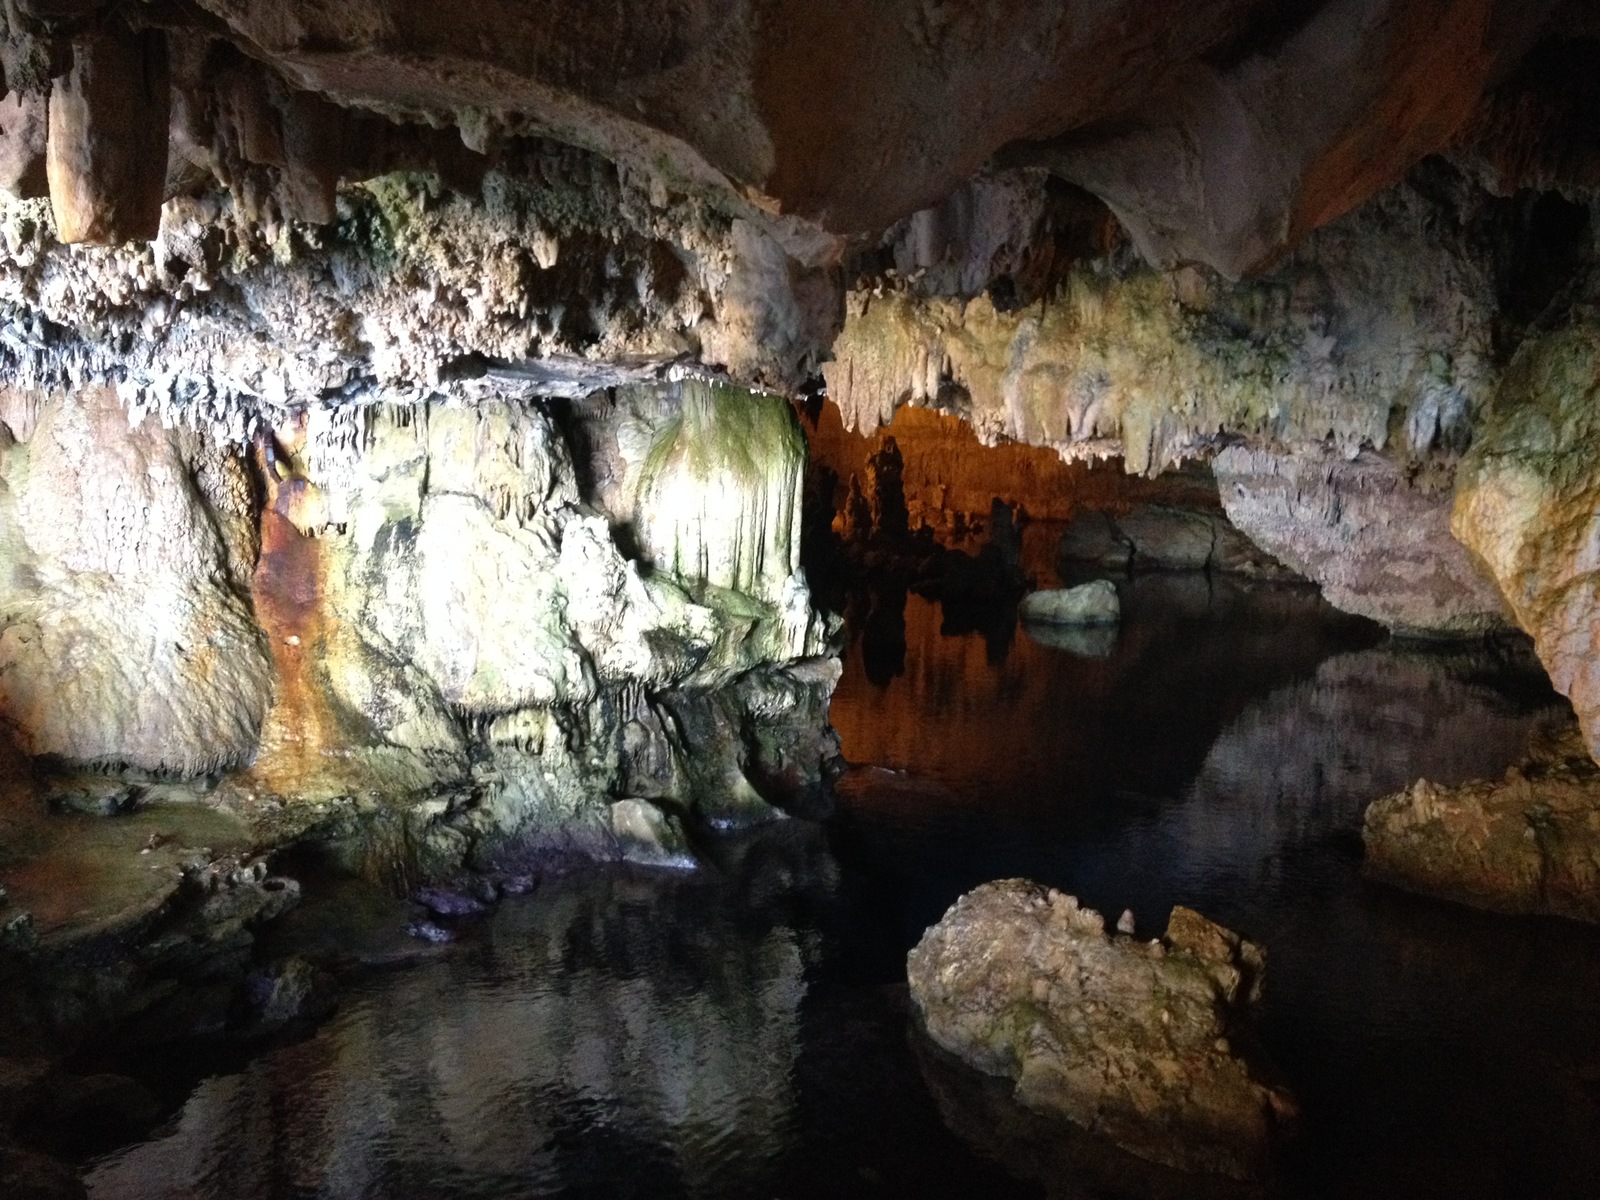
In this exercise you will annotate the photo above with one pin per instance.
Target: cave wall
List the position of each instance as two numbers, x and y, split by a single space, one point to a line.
1334 396
416 606
126 634
1528 500
1287 236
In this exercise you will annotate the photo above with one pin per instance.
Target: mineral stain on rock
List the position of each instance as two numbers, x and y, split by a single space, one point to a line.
1144 1043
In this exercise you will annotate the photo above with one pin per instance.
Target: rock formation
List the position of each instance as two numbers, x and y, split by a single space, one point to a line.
393 400
1528 496
126 635
1087 604
1529 843
1376 538
422 601
1141 1042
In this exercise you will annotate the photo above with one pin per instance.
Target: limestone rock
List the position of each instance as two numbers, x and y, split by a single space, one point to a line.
1377 542
1088 604
451 609
1389 312
125 634
649 836
720 496
1230 166
1143 1043
1160 537
1529 843
107 149
1527 495
23 130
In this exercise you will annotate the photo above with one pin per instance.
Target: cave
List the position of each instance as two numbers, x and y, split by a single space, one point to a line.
666 598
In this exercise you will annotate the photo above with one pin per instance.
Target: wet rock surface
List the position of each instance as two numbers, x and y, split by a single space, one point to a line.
1160 537
1144 1043
1527 843
1087 604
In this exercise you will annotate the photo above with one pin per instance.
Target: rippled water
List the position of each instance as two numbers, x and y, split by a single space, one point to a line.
741 1032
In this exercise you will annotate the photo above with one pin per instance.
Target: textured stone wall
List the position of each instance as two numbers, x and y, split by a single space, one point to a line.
417 605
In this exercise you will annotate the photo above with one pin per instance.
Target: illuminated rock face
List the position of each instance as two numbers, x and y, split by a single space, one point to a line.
446 614
1528 498
1377 540
1528 843
126 637
1381 319
720 500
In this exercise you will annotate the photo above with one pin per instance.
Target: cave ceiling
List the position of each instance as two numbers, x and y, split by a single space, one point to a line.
1219 131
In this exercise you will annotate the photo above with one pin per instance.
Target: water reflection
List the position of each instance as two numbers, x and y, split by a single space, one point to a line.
742 1032
619 1033
612 1030
1222 757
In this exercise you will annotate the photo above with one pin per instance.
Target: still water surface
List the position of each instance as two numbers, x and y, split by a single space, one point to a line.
742 1033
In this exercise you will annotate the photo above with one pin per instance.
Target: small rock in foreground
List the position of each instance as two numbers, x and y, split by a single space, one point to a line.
1089 604
1528 844
1144 1043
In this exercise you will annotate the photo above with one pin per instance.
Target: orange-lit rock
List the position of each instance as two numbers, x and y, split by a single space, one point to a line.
107 153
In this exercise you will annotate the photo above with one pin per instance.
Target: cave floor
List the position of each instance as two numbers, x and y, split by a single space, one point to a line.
83 877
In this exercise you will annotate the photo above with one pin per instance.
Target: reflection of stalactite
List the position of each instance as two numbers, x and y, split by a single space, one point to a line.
720 497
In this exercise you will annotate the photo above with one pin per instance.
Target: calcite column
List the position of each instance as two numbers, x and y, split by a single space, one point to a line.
107 154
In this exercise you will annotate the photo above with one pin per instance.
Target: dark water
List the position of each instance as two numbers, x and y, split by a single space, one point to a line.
740 1032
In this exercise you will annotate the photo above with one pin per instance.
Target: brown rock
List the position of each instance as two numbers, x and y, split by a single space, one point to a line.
1160 537
107 153
1529 843
1143 1043
1232 166
23 127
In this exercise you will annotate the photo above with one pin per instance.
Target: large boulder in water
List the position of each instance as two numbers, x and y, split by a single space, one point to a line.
1088 604
1527 843
1144 1043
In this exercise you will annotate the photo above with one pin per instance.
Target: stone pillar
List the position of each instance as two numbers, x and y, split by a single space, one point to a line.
107 153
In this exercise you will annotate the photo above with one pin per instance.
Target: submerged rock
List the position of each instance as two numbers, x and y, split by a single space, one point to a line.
1089 604
1141 1042
1529 843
